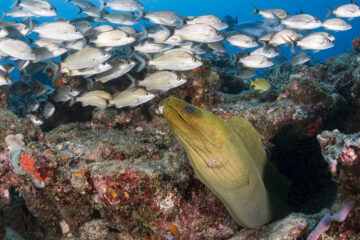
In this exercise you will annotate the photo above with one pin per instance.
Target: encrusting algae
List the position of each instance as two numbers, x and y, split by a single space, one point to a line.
228 157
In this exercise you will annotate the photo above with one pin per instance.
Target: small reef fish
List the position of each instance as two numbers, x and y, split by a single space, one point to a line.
167 18
302 22
85 58
256 61
271 13
314 42
300 58
241 40
17 49
162 80
228 157
131 98
211 20
336 24
98 99
200 32
260 84
176 60
350 10
119 68
34 119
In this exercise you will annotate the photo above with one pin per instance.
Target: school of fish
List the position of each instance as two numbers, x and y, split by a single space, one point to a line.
120 37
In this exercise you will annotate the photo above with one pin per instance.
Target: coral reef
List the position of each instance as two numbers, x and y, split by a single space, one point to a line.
121 174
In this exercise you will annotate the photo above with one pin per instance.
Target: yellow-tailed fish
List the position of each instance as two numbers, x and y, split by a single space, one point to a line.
260 84
228 157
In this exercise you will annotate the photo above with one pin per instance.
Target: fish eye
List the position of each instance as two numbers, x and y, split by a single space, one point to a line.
189 108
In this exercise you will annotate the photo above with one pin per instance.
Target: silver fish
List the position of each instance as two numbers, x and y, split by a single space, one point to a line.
129 30
167 18
62 31
34 119
176 60
5 78
15 30
159 33
113 38
246 73
300 58
32 105
120 18
336 24
148 46
284 37
48 110
48 51
17 49
217 46
256 61
200 32
195 48
175 39
40 8
302 22
124 5
19 12
162 80
211 20
314 42
83 26
119 68
85 58
95 98
325 34
350 10
131 98
82 3
271 13
241 40
91 71
62 94
267 51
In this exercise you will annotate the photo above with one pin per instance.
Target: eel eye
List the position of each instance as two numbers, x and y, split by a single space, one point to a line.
189 108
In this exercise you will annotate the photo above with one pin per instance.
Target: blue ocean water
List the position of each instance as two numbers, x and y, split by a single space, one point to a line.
234 8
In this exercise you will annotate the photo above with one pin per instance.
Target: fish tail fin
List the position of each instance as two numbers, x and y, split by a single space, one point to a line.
31 26
293 45
80 10
255 9
330 11
142 63
3 14
100 11
140 14
133 81
90 83
16 3
277 19
72 101
252 83
144 31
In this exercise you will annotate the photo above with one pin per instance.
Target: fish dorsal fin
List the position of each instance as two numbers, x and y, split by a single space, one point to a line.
251 139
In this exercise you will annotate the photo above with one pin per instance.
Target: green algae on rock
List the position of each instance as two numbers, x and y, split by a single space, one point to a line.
228 157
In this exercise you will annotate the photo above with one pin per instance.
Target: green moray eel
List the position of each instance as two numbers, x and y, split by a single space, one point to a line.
228 157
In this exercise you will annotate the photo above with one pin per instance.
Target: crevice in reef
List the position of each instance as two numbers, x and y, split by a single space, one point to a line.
301 161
